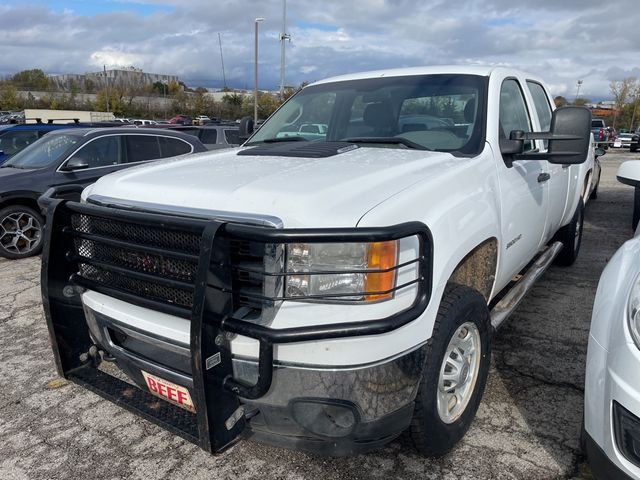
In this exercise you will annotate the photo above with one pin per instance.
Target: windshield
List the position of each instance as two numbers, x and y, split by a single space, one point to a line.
43 152
433 112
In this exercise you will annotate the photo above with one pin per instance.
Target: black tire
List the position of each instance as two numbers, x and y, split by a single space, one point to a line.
25 224
636 208
428 433
571 238
594 192
633 148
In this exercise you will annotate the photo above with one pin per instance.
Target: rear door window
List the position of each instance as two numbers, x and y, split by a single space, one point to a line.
208 135
170 147
142 147
542 106
232 137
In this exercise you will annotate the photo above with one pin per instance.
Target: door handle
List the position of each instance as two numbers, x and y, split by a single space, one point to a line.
543 177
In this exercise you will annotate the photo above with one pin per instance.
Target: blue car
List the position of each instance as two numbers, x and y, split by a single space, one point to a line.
14 138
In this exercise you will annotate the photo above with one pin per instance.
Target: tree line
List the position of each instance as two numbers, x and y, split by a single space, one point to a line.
132 100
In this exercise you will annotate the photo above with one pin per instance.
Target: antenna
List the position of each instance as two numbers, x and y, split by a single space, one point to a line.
283 36
224 77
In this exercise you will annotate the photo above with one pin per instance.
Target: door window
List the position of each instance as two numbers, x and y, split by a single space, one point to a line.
142 147
541 104
101 152
232 137
209 135
513 111
170 147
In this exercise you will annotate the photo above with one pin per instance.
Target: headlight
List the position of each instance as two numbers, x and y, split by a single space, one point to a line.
361 272
633 311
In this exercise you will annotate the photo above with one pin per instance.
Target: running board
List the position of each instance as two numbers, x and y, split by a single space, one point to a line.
505 307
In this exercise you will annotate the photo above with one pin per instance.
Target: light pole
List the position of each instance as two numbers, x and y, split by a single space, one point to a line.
255 79
577 92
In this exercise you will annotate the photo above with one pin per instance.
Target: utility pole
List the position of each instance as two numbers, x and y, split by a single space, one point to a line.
224 77
283 37
255 77
106 82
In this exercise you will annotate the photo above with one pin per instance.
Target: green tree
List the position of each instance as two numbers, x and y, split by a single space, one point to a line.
560 101
8 97
621 90
34 79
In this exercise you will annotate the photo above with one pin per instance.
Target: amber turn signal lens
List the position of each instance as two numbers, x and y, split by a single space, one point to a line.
381 256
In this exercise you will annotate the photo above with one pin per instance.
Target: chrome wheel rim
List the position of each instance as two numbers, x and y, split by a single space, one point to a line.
20 233
459 372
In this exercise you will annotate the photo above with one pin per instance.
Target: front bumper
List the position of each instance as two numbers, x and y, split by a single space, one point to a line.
335 411
360 407
612 378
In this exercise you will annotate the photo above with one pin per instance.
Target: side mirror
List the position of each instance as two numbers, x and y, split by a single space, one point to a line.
629 173
246 129
76 163
568 138
600 152
571 135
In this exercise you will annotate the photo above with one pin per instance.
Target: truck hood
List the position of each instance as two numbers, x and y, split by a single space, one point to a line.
303 192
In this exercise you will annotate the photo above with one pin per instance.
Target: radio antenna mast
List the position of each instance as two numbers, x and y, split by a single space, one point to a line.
283 36
224 77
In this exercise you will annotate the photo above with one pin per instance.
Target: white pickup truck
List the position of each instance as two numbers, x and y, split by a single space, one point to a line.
330 290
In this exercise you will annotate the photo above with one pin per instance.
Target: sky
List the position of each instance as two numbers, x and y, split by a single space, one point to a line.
562 41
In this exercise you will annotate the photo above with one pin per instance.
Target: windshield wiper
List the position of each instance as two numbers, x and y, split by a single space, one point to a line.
386 140
285 139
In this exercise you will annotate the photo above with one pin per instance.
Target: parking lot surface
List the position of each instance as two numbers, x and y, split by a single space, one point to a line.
527 426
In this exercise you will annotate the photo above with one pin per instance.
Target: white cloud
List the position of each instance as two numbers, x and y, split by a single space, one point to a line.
561 41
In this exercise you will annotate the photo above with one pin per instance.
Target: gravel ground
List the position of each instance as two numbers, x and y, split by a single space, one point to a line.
527 426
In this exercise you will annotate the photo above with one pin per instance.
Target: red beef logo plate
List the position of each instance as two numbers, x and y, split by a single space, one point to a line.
171 392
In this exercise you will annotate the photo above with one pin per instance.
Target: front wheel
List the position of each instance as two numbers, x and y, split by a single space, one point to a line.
20 232
571 238
455 374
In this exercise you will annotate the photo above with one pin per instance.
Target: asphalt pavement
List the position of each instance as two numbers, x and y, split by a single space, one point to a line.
527 426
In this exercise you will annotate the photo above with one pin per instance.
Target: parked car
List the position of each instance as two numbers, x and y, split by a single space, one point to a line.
626 140
214 137
182 120
602 134
324 293
15 138
72 156
143 122
627 175
611 434
201 120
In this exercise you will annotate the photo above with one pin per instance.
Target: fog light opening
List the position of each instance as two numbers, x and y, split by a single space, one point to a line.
326 418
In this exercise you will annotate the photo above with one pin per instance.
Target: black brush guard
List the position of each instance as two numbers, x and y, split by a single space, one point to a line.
219 420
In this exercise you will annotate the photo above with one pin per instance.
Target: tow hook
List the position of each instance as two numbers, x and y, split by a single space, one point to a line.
92 356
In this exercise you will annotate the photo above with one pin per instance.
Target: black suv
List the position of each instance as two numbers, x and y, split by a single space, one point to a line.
76 156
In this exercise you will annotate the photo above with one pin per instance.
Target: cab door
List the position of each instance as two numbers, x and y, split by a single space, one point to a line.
558 175
524 198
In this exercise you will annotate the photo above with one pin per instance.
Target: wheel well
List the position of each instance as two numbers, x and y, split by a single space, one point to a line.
27 202
585 187
478 269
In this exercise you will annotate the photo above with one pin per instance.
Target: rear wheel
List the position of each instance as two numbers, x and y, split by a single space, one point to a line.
455 373
20 232
571 237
